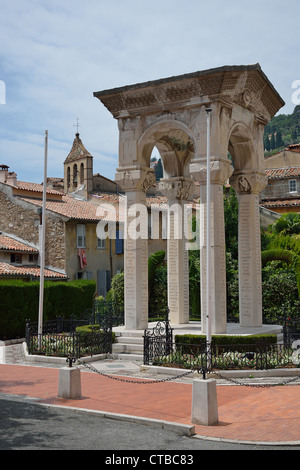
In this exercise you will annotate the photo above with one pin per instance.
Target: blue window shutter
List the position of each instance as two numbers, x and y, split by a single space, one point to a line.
119 243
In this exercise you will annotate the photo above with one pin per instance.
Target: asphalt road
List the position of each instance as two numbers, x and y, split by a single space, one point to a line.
29 426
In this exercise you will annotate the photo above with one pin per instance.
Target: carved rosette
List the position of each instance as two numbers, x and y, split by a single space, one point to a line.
135 179
248 182
177 188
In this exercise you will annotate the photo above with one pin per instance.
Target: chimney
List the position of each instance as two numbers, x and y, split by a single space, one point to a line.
11 178
3 173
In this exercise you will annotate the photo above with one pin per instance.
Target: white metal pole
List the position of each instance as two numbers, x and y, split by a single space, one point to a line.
42 245
208 243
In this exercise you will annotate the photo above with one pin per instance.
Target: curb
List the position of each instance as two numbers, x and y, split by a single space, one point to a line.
293 372
181 429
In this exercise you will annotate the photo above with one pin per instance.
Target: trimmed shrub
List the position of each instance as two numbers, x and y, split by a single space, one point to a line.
19 301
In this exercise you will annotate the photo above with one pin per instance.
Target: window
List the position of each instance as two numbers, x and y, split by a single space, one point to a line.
101 243
292 186
103 282
81 173
68 177
75 175
119 242
16 258
80 236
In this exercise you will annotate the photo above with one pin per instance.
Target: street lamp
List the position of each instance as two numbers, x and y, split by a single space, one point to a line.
208 250
42 246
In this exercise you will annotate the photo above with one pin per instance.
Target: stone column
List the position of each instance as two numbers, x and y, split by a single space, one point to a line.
135 183
248 185
219 174
178 191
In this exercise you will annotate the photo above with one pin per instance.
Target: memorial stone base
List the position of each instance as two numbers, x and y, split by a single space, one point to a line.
69 384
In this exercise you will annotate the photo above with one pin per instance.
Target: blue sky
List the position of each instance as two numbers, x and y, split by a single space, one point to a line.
55 54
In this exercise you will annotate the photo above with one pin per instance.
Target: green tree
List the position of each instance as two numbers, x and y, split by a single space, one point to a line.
231 217
294 135
279 141
288 224
159 171
267 143
273 141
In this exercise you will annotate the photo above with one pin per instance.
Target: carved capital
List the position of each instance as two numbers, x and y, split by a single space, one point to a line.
135 179
220 171
248 182
178 188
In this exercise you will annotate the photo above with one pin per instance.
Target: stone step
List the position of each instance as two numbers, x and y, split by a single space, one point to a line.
129 345
127 348
128 333
129 357
129 340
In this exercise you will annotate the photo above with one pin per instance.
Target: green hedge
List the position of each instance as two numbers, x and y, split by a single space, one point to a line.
19 301
226 339
86 329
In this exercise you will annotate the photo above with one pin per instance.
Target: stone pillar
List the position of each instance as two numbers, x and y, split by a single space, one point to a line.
178 191
135 183
248 185
219 174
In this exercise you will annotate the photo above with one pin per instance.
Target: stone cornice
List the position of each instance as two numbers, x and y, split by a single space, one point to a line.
246 86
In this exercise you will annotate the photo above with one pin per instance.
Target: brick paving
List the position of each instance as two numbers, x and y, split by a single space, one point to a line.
256 414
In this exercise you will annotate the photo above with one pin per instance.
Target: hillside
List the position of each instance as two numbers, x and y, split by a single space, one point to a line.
281 131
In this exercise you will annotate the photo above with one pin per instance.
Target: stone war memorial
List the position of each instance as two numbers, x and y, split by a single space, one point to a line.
171 115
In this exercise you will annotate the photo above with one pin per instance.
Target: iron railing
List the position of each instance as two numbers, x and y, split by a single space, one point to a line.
59 338
197 356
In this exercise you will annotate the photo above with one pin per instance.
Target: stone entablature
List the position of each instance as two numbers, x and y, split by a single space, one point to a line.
246 86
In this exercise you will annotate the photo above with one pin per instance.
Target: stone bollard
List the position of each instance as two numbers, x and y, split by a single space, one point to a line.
69 383
204 402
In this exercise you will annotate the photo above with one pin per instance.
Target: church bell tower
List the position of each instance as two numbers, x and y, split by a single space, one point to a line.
78 169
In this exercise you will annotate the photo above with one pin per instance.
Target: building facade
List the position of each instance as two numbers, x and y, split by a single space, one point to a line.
282 193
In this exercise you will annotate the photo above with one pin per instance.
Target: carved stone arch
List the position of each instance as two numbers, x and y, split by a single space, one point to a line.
175 143
241 147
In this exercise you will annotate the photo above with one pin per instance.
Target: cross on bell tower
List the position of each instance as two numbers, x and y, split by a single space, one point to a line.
76 125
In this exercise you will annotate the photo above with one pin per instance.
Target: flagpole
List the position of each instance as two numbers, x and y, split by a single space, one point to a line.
42 244
208 249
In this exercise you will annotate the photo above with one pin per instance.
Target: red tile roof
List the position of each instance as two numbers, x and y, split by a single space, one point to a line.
8 270
69 207
35 187
279 173
10 244
94 209
281 203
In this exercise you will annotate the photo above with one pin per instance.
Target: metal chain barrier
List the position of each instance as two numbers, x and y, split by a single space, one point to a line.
179 376
144 382
236 382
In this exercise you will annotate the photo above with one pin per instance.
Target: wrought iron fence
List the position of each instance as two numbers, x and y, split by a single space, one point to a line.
196 356
104 309
59 338
160 349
